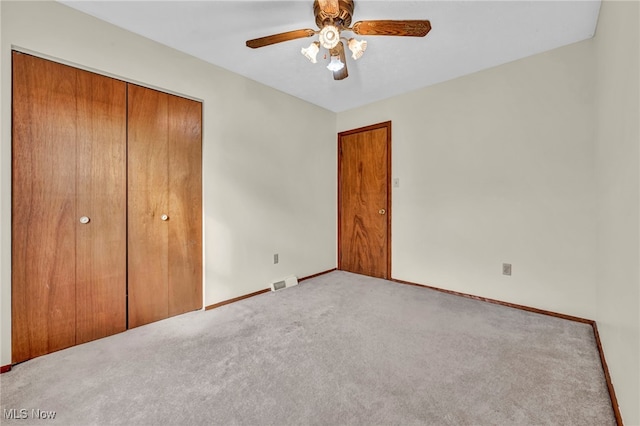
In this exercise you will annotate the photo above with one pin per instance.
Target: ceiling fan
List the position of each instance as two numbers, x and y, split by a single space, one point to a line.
333 17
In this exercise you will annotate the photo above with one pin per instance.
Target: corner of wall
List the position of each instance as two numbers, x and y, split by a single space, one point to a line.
617 163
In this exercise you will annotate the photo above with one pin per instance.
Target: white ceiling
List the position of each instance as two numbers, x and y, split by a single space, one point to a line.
467 36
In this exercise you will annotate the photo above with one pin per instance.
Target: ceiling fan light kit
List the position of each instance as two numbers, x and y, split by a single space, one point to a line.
311 52
357 48
340 71
329 36
335 64
333 17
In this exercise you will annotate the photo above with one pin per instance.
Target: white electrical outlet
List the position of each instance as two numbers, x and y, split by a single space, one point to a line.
275 258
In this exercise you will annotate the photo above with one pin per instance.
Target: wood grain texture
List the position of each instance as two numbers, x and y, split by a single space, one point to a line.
364 190
165 178
101 244
43 207
185 205
279 38
148 191
406 28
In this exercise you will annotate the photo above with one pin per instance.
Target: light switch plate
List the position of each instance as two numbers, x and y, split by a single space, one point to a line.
506 269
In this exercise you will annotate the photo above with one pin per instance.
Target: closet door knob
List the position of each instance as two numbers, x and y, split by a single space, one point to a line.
164 217
84 220
382 211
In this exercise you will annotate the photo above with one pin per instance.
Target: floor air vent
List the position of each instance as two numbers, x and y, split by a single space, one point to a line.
285 283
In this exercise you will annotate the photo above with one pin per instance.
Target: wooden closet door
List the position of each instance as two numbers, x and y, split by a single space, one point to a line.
148 191
101 244
165 205
69 147
43 209
185 205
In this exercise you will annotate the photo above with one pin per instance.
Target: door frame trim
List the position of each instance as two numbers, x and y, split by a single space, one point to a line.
382 125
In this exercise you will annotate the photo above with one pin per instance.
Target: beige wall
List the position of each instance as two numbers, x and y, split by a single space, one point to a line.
533 163
269 184
497 167
618 193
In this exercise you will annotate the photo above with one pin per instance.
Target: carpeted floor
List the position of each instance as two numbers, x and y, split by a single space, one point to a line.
339 349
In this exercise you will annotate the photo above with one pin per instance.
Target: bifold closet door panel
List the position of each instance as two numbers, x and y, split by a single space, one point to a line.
148 193
101 244
43 207
165 205
69 148
185 205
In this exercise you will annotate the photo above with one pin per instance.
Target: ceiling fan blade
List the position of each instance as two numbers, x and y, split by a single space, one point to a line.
330 7
279 38
411 28
339 51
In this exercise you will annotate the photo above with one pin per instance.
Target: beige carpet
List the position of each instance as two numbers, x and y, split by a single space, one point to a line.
339 349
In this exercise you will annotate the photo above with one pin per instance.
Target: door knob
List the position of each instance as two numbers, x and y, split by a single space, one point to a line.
164 217
382 211
84 220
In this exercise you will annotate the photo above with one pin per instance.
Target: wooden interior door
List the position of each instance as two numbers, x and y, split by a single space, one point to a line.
165 205
101 244
69 139
364 200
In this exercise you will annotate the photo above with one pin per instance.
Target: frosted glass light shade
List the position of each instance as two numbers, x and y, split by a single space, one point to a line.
335 64
311 52
357 47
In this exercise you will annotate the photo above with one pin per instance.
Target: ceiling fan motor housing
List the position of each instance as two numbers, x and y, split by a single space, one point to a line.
343 20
